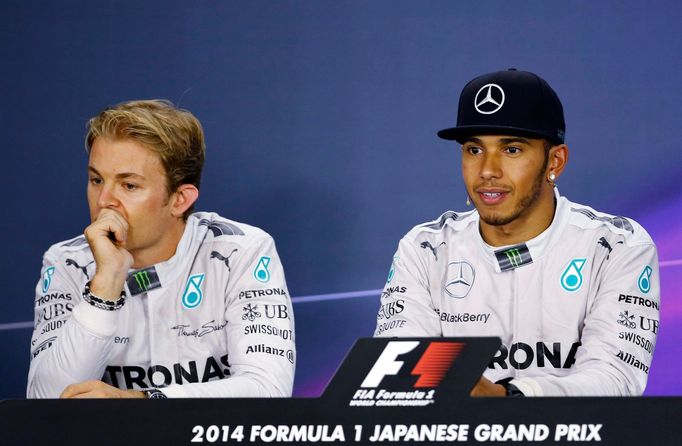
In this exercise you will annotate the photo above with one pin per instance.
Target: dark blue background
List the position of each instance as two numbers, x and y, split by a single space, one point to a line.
320 119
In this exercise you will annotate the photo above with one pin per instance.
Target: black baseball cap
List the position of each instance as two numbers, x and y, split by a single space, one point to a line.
509 102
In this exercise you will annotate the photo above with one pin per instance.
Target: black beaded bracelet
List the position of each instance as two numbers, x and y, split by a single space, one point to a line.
100 303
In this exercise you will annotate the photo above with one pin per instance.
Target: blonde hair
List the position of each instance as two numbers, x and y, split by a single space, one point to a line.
173 133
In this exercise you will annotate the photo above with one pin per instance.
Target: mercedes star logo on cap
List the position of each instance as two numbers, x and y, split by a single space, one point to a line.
493 100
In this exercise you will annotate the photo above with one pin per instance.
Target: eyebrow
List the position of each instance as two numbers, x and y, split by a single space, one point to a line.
119 176
516 139
502 140
472 139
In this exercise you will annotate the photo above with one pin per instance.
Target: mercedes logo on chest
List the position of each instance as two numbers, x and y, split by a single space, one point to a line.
460 277
489 99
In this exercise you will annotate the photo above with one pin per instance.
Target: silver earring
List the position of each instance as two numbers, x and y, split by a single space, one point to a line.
552 177
468 201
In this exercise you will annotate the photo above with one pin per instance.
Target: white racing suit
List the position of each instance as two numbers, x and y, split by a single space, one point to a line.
215 320
577 307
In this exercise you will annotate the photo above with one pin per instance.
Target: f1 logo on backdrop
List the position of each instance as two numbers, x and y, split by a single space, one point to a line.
430 368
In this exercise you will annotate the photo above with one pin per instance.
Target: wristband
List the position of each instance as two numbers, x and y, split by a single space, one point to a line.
100 303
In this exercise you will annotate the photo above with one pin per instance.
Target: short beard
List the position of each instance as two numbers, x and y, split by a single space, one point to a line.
527 202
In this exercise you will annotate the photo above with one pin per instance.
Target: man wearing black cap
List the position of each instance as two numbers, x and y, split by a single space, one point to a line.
572 292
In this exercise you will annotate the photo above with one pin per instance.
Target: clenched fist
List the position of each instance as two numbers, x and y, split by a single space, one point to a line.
107 239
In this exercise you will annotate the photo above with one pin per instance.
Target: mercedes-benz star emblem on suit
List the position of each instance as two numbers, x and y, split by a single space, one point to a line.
459 279
492 101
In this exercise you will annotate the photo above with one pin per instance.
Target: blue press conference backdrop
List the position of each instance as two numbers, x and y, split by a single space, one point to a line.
320 119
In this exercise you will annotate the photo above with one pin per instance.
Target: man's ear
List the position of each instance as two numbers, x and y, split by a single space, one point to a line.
183 198
558 157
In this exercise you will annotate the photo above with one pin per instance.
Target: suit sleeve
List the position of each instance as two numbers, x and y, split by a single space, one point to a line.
619 334
71 339
260 331
406 305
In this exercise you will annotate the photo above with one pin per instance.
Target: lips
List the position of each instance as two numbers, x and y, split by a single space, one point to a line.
492 197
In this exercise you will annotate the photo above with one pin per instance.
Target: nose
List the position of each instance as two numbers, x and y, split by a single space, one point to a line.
490 166
107 197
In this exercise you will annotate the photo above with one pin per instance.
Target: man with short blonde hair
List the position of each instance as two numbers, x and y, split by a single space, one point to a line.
172 133
153 300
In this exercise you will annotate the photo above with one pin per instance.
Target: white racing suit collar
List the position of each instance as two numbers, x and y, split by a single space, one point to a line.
507 258
154 276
